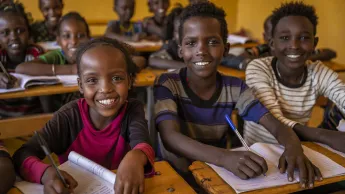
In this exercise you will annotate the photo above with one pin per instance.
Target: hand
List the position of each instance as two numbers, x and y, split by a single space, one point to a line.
335 139
6 83
293 158
244 164
130 174
53 184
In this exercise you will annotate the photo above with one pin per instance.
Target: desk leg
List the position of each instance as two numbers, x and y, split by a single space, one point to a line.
149 109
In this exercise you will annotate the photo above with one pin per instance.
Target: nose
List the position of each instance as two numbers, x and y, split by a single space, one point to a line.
73 40
51 12
201 49
295 43
14 35
161 5
106 87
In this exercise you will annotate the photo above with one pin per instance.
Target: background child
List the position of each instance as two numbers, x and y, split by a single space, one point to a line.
191 103
167 57
47 30
154 26
8 175
105 126
123 29
15 49
289 84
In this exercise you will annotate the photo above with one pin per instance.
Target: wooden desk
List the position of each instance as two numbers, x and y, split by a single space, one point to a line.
143 79
167 182
335 66
213 184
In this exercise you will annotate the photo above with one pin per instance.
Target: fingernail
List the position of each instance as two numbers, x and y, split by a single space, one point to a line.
281 170
303 185
321 178
290 179
311 185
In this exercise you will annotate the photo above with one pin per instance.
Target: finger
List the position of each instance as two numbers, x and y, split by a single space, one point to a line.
282 164
303 174
128 188
72 183
49 189
142 187
241 175
260 161
317 173
135 189
253 166
59 187
311 175
118 187
290 169
246 170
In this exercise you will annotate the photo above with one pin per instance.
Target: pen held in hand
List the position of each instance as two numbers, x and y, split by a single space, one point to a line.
47 152
234 129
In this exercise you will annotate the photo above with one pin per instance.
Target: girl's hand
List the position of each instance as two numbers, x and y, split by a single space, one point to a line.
53 184
130 174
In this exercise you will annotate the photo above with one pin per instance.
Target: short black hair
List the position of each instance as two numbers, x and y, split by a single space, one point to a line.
149 4
16 9
103 41
76 16
40 2
117 1
205 9
169 26
294 8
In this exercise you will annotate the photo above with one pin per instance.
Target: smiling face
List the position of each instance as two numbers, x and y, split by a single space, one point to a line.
125 9
293 41
71 34
104 80
14 34
202 46
51 11
159 8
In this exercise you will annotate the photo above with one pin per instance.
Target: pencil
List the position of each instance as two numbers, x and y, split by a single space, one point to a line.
4 70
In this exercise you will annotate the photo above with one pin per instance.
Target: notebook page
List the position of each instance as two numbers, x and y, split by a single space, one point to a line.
92 167
331 149
68 80
273 177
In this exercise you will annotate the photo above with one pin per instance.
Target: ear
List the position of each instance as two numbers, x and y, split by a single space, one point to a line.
316 41
271 44
227 48
179 51
80 85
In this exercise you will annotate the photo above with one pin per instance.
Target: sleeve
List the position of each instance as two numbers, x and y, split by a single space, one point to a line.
113 27
27 159
248 106
330 85
259 78
165 107
51 57
139 134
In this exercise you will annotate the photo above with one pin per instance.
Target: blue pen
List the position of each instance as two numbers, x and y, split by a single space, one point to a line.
232 126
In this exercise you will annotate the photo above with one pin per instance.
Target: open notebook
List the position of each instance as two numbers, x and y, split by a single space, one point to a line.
91 177
273 177
26 81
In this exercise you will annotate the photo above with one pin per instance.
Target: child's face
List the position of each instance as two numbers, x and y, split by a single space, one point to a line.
104 80
293 41
125 9
52 11
14 34
71 34
159 8
202 46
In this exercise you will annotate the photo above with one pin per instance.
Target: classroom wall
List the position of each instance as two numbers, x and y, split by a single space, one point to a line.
102 10
252 13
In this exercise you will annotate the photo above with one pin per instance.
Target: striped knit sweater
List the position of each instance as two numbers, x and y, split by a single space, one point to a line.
290 105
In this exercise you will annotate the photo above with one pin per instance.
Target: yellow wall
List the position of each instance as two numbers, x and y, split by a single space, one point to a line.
252 13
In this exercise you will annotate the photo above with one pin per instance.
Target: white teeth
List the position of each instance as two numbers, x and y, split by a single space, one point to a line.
201 63
161 10
14 46
53 19
293 56
106 101
73 49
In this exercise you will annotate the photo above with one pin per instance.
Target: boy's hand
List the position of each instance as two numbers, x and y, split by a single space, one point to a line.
53 184
6 83
294 158
244 164
130 174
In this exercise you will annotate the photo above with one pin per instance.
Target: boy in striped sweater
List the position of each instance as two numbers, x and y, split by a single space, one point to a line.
289 84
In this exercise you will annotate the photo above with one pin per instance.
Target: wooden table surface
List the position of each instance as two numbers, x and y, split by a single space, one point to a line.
213 184
166 181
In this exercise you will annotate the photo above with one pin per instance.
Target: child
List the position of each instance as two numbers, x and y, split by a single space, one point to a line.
191 104
72 31
123 29
15 49
46 30
8 175
104 126
154 26
289 84
167 57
